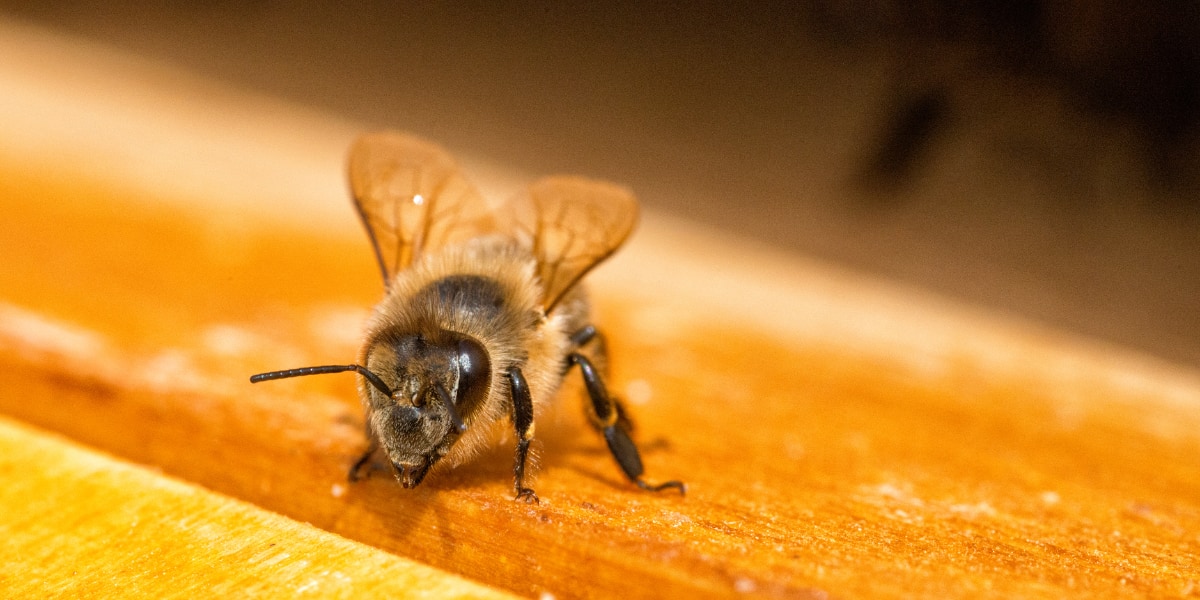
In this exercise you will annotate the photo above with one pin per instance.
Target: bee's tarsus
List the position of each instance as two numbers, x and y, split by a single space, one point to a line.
528 495
679 485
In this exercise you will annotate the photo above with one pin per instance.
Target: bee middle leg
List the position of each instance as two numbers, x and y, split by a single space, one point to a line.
608 416
523 422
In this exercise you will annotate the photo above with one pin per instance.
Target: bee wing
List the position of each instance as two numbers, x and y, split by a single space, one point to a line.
572 224
412 198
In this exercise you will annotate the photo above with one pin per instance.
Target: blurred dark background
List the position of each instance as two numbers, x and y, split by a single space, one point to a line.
1037 158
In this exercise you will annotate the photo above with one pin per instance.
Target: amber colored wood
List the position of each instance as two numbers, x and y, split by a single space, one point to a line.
840 436
78 524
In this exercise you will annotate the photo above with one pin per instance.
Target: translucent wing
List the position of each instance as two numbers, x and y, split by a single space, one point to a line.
572 224
412 198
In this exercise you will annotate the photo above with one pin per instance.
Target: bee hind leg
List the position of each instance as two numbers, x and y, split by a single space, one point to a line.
523 422
609 419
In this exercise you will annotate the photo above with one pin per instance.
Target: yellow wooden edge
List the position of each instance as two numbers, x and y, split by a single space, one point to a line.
77 523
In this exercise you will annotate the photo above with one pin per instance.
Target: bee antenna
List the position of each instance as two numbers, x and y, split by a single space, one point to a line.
445 398
372 378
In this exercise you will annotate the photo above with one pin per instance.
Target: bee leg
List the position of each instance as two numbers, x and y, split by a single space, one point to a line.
592 345
607 419
523 422
583 336
354 474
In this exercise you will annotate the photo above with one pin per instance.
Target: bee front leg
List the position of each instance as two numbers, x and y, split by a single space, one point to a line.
523 422
373 445
607 419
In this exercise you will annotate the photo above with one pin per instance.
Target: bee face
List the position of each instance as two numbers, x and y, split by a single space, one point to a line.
433 379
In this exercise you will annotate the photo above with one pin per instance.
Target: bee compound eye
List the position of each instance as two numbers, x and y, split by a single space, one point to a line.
474 372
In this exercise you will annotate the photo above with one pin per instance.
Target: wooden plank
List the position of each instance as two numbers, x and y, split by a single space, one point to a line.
840 436
78 524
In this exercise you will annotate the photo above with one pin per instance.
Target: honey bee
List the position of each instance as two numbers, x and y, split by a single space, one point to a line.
483 314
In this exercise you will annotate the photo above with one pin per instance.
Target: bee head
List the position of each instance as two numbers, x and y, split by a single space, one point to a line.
432 386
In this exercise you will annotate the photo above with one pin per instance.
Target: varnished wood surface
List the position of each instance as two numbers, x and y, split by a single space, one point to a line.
840 437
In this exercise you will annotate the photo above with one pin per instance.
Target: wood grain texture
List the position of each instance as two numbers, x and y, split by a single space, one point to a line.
840 436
